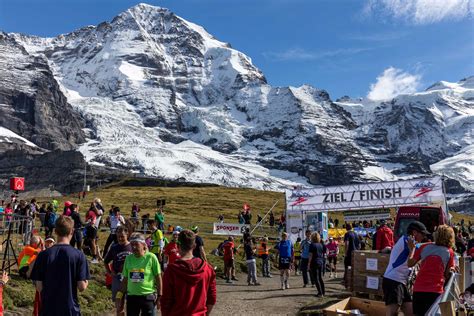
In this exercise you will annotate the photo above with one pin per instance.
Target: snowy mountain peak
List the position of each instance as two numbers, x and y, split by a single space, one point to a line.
160 96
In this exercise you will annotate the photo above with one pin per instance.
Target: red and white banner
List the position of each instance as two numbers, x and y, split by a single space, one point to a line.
229 229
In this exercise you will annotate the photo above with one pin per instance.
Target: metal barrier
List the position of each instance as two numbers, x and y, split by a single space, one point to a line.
15 233
449 299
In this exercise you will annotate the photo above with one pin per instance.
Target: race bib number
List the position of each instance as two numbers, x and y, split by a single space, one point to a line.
285 260
137 276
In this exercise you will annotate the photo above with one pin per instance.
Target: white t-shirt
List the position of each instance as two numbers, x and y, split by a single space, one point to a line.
397 268
115 222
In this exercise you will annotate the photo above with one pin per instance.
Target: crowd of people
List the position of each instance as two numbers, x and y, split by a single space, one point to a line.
147 271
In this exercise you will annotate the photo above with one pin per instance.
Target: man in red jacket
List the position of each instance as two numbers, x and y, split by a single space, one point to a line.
189 284
384 238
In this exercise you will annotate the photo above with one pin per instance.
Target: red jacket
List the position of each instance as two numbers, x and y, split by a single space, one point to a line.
384 238
188 287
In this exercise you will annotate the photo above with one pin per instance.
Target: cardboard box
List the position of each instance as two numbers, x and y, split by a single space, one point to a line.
368 266
366 307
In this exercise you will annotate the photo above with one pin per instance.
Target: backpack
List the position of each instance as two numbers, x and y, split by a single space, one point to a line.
52 219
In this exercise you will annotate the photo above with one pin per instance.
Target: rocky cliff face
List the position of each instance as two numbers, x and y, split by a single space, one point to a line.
32 104
159 96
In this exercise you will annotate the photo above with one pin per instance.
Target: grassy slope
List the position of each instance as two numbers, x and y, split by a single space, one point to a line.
186 206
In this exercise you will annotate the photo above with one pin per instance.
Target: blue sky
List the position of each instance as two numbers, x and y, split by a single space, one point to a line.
343 46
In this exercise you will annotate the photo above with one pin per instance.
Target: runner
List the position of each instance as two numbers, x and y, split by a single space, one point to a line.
437 261
316 262
189 284
333 249
199 251
171 251
384 240
395 278
351 242
285 259
117 254
229 265
141 280
59 272
114 221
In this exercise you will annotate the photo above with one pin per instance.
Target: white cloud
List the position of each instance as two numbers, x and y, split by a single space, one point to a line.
301 54
393 82
421 11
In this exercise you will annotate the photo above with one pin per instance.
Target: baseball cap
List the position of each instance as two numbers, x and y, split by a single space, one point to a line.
67 203
383 222
419 227
50 239
195 228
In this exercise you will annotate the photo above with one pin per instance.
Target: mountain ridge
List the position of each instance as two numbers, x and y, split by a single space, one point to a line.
160 96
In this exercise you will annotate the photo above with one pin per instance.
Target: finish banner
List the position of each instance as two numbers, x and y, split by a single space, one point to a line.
367 195
229 229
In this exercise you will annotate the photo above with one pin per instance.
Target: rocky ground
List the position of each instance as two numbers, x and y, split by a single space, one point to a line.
269 299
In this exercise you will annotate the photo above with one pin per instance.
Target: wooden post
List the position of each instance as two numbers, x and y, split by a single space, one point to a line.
462 271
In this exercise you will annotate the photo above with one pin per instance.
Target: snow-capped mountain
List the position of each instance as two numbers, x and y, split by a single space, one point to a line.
160 96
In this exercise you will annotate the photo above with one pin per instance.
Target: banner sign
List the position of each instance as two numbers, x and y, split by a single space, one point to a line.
367 195
229 229
368 215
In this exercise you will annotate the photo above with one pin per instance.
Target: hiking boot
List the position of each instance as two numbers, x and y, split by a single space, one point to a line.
256 283
234 278
287 286
282 286
269 276
94 261
229 281
305 285
249 284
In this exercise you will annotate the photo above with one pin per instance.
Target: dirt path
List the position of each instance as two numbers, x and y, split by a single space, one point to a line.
269 299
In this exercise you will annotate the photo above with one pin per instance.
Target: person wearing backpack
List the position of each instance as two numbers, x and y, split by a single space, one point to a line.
50 220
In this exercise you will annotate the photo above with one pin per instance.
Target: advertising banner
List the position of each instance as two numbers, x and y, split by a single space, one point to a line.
361 215
229 229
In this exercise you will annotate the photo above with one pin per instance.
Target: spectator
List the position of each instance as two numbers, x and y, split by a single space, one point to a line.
68 263
91 232
336 223
384 240
3 281
333 252
316 262
247 217
285 259
117 255
157 240
263 253
305 244
76 239
437 261
459 242
351 242
141 280
160 219
229 265
251 262
49 242
297 249
241 218
271 219
199 251
189 284
50 220
171 251
28 255
114 221
394 284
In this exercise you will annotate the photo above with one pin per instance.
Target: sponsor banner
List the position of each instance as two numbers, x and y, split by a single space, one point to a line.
362 215
367 195
229 229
